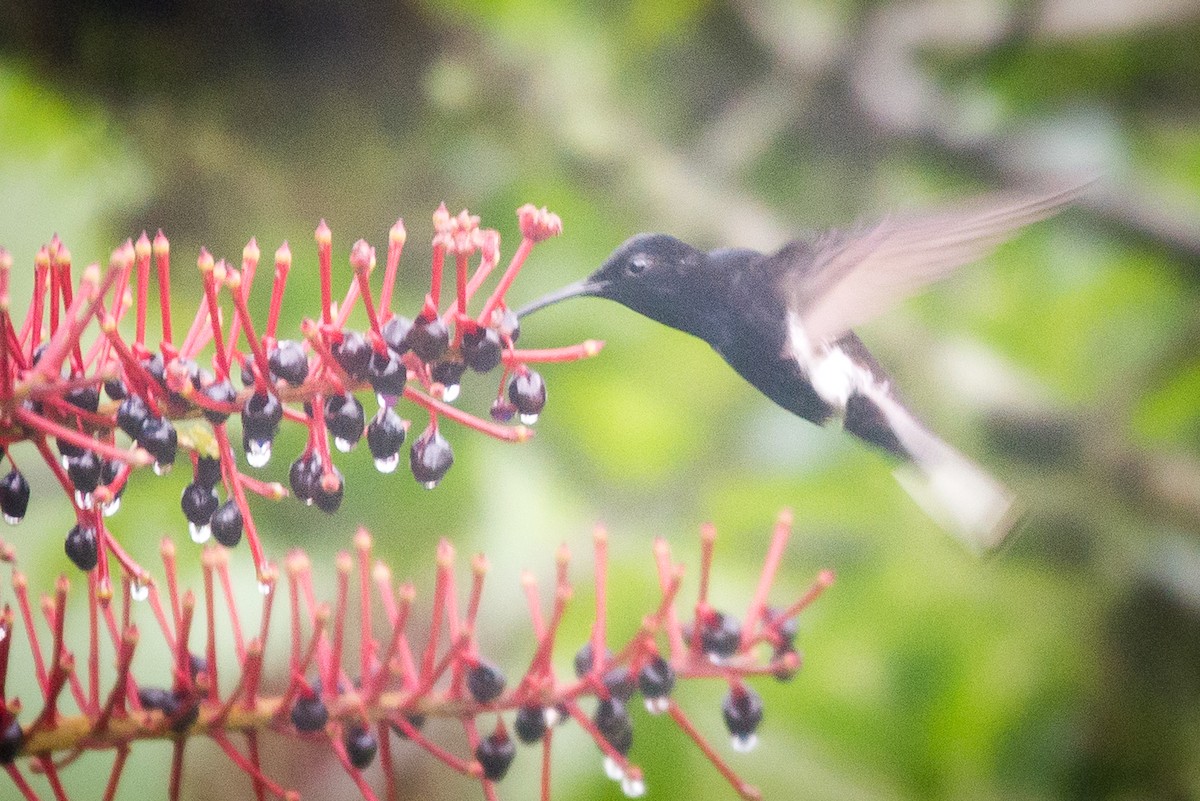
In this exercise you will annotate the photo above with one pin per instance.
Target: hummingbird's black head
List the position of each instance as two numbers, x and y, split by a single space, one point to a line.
653 274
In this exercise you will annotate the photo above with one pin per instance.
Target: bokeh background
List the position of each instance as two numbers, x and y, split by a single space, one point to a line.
1067 666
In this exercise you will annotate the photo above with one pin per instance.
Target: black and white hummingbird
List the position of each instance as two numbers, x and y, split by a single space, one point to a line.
783 321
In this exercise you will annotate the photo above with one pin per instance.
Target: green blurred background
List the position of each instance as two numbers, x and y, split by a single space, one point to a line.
1067 666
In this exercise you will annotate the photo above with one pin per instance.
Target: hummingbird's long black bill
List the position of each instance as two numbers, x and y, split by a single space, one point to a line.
588 286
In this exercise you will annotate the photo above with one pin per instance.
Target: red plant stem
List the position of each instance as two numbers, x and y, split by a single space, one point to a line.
445 566
221 562
176 780
383 736
228 460
396 239
414 734
599 625
116 697
261 379
630 770
824 580
283 264
210 645
397 641
241 291
21 590
503 433
212 276
739 786
435 274
506 280
362 544
114 775
48 427
162 259
779 541
160 616
247 766
93 645
662 560
251 669
571 353
546 749
325 267
344 567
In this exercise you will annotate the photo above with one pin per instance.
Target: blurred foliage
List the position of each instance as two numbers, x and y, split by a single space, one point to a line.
1065 667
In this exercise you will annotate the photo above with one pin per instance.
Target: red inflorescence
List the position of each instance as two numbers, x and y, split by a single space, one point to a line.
355 702
68 389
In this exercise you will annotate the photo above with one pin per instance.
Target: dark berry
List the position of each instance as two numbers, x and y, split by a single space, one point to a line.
208 471
305 477
309 714
584 659
495 754
656 679
86 398
612 719
81 547
395 334
620 683
387 373
486 682
108 473
353 353
198 503
226 524
11 738
84 471
67 449
430 458
448 373
527 391
361 746
787 629
14 496
131 415
530 724
261 414
115 388
328 500
385 435
345 420
157 698
720 636
158 436
221 392
743 711
502 410
288 361
481 349
428 338
157 369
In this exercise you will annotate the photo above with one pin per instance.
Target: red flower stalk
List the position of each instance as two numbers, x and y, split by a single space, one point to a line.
182 393
355 702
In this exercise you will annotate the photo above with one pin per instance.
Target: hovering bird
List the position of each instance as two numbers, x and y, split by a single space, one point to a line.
783 321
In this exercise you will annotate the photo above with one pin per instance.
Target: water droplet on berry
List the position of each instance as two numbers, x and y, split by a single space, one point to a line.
200 534
161 469
343 445
743 743
258 452
83 500
389 464
264 588
613 770
450 393
633 788
139 591
657 706
112 507
529 419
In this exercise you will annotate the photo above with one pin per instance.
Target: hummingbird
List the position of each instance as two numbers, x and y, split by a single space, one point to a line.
784 321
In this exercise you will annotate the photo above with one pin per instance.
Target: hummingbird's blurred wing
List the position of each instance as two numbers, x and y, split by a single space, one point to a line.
855 275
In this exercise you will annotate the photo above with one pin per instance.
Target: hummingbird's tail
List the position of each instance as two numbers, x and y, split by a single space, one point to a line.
953 490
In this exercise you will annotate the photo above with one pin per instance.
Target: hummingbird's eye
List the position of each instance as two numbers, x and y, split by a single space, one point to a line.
638 264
